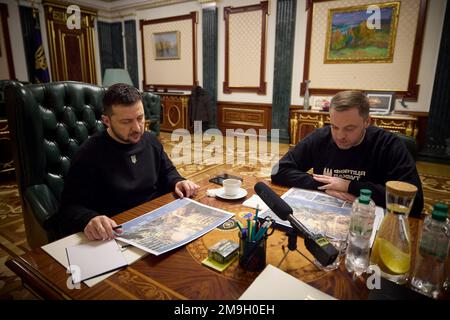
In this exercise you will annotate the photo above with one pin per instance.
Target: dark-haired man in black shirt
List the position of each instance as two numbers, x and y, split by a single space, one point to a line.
117 169
349 155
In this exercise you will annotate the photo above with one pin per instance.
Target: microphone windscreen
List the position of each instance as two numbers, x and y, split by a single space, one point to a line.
273 201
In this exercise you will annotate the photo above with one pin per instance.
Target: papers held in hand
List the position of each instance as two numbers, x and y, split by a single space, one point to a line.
94 258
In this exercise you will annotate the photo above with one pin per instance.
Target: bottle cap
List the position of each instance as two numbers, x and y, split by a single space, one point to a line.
401 188
439 212
364 199
441 207
365 192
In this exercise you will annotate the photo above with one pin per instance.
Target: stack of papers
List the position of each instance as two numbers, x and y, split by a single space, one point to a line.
94 258
57 250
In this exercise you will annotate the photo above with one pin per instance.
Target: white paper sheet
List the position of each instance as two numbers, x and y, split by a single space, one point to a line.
57 250
254 201
94 258
275 284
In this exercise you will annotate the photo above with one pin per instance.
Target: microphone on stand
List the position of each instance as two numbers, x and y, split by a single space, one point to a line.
319 246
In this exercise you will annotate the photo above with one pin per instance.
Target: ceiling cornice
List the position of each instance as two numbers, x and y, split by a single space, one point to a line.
127 5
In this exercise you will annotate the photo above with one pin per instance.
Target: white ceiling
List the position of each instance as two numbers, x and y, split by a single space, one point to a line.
114 5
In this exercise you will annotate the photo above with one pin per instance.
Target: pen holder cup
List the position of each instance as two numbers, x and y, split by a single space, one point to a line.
252 255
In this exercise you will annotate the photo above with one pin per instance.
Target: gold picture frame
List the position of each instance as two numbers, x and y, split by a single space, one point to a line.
166 45
362 34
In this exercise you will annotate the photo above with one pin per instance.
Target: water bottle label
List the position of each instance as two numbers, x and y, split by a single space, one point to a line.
434 247
360 226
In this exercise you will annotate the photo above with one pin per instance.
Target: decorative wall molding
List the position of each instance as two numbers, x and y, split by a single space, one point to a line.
161 68
71 51
411 90
243 115
234 71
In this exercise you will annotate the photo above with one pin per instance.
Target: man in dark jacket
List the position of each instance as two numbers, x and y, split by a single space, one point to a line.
117 169
349 155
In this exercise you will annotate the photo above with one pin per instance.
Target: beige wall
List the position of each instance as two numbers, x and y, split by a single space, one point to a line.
170 73
432 35
270 49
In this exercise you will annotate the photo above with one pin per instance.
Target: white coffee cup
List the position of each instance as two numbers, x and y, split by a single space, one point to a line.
231 186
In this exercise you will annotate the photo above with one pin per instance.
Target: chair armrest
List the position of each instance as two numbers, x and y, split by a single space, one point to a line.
42 204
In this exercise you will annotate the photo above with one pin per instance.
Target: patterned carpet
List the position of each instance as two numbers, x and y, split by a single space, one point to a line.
12 241
12 232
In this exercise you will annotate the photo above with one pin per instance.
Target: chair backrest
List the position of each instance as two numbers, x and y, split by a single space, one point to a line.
48 124
3 84
410 144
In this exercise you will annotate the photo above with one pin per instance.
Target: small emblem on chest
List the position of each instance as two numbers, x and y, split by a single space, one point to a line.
133 158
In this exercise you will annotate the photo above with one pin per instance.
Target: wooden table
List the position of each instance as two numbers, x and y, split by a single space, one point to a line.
179 274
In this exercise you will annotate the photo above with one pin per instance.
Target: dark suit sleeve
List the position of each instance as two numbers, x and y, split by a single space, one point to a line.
399 166
78 198
291 170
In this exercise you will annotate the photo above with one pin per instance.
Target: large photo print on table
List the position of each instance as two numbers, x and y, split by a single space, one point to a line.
319 212
172 225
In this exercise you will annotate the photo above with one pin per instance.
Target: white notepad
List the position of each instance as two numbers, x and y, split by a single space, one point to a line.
275 284
94 258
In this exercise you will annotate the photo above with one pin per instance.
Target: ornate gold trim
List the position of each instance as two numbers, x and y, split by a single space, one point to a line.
56 15
240 110
180 116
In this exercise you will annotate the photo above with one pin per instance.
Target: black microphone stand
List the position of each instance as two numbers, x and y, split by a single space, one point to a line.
292 246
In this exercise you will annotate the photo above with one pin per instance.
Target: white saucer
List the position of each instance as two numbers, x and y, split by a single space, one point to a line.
220 193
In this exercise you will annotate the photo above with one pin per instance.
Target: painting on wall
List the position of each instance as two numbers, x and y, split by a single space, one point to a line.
362 33
167 45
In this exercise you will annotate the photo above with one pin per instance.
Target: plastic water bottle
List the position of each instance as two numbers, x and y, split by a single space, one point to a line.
429 271
361 225
446 285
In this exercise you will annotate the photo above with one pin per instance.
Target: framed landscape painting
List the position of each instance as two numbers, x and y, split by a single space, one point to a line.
167 45
362 33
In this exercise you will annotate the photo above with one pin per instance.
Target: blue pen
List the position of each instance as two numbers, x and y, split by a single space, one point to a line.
260 234
262 230
243 233
256 218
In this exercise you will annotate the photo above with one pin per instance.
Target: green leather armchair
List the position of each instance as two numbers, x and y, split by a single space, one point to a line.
48 124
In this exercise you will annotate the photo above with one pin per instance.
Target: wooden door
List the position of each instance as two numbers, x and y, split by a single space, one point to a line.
71 50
